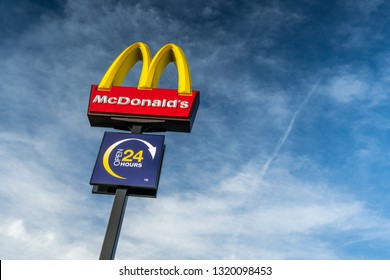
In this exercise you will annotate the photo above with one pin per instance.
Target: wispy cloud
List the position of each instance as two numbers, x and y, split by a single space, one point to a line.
286 133
347 88
285 218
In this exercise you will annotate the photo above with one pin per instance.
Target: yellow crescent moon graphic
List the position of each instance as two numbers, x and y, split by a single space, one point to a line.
107 156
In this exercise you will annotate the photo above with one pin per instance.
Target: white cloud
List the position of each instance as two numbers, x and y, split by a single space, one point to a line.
348 87
282 218
44 213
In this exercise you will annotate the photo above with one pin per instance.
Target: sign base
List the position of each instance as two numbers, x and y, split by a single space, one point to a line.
131 191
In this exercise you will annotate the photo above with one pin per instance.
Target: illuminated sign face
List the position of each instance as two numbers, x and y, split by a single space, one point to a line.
111 105
129 160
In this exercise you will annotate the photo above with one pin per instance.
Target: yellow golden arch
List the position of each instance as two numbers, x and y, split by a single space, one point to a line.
151 68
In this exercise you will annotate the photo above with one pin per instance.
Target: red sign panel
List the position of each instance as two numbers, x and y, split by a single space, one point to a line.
169 110
162 103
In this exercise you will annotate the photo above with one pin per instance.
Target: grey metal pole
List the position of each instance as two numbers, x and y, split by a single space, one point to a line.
114 225
117 213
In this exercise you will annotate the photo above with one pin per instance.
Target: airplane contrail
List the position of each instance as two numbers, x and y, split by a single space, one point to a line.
275 153
285 135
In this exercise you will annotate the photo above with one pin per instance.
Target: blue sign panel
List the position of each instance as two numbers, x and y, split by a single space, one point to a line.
129 160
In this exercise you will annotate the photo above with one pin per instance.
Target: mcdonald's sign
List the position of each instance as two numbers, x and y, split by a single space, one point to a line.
112 105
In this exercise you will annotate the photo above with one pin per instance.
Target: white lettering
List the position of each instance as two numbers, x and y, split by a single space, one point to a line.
131 164
172 104
100 99
146 102
123 100
118 156
156 103
112 100
184 105
135 102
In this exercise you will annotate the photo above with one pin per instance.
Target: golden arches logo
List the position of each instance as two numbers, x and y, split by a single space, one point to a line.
151 68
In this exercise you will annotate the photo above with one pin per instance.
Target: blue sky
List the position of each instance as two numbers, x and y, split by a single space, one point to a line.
288 157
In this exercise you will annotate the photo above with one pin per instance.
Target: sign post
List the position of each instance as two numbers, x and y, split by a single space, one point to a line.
114 225
129 164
